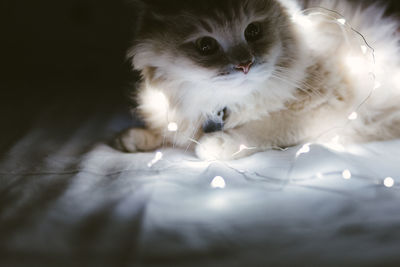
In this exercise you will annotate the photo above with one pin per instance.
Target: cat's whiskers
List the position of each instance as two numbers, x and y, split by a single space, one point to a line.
195 129
293 84
312 75
301 85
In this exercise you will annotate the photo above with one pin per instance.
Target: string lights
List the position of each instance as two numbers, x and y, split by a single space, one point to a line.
173 127
388 182
218 183
346 174
377 85
158 156
304 150
353 116
342 21
355 63
241 149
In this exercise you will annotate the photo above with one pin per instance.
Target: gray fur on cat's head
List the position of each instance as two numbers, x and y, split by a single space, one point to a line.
208 39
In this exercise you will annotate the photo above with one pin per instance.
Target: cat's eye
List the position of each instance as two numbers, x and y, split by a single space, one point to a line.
207 46
253 32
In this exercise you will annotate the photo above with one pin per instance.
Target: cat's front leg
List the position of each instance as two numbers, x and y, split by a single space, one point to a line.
135 139
227 145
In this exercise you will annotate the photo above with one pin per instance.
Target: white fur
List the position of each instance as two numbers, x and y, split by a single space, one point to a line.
268 111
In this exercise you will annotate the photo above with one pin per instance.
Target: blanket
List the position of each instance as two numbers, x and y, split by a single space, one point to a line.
67 198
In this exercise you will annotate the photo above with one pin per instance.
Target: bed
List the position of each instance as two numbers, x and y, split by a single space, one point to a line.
67 198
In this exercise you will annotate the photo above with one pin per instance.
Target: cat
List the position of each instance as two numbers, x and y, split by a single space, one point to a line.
230 78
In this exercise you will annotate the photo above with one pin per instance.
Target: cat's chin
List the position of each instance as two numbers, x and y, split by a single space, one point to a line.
231 77
236 79
224 74
234 75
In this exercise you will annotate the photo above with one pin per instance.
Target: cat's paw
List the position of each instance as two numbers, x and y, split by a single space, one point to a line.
218 146
134 140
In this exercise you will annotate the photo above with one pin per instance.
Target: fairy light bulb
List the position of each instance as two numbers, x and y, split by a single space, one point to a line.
353 116
218 182
335 144
172 127
304 150
364 49
346 174
377 85
158 156
342 21
242 147
388 182
302 20
320 175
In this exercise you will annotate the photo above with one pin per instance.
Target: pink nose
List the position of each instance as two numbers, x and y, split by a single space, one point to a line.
245 67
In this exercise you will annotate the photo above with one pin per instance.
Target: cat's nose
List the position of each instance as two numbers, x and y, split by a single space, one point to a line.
245 67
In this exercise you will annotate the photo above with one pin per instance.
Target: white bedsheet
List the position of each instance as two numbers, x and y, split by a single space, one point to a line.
69 199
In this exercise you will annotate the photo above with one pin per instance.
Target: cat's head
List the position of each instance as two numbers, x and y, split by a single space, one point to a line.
222 41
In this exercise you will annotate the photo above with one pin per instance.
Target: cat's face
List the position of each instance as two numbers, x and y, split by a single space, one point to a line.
223 40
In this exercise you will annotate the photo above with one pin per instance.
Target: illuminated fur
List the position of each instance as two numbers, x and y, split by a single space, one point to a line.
299 88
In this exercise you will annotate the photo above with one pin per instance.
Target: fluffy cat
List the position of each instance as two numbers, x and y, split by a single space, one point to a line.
265 77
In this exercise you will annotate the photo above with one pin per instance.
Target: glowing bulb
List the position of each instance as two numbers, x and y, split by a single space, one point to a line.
346 174
302 20
157 158
304 150
342 21
364 49
319 175
156 100
388 182
172 127
353 116
242 147
218 182
377 85
335 144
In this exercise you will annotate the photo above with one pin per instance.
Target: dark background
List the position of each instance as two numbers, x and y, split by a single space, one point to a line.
52 49
61 51
48 47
